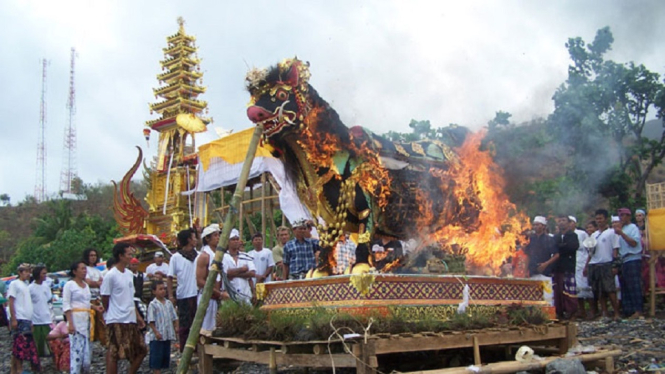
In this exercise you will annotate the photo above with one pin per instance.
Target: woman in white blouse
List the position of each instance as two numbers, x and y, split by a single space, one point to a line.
76 305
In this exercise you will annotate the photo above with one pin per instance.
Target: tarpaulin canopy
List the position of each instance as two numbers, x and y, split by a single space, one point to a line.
221 162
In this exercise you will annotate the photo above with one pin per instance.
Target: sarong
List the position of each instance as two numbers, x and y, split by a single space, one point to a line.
186 314
23 347
80 353
39 332
60 349
125 341
210 319
631 288
565 294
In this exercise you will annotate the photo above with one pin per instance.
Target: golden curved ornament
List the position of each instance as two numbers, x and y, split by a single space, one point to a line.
190 122
127 210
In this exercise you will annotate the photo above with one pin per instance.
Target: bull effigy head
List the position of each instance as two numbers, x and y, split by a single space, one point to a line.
278 97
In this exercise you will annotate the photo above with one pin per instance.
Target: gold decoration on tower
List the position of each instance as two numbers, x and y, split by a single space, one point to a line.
181 116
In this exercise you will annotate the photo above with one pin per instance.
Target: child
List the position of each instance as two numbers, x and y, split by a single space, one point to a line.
163 323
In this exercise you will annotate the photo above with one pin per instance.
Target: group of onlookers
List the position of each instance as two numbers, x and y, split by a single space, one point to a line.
591 265
97 306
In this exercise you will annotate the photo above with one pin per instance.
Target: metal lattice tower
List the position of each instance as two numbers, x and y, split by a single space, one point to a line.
40 179
69 149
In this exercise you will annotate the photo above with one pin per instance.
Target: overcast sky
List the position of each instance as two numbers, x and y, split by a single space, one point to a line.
379 63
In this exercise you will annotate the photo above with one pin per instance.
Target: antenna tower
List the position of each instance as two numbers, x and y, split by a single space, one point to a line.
69 150
40 179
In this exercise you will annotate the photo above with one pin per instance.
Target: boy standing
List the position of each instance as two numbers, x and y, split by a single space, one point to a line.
163 323
123 322
20 307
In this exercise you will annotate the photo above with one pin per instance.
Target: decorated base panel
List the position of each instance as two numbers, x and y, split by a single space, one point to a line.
437 295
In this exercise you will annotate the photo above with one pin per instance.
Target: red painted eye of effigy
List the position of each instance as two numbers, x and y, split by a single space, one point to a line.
281 95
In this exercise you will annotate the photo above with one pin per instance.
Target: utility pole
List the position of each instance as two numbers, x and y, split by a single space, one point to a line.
69 149
40 179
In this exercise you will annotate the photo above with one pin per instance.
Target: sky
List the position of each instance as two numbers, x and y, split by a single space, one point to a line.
379 63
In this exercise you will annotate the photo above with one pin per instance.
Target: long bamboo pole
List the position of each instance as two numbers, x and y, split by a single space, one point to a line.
223 242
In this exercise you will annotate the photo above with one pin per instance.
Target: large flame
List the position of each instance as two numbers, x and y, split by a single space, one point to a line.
477 181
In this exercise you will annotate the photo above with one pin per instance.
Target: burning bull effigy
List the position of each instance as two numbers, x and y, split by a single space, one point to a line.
431 192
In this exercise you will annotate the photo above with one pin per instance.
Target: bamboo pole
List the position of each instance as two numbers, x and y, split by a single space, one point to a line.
263 207
223 243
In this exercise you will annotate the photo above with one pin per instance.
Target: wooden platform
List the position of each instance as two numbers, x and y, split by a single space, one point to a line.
363 353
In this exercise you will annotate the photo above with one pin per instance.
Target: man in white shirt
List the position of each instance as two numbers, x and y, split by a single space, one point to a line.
20 308
263 260
158 270
582 283
599 266
182 267
239 269
123 321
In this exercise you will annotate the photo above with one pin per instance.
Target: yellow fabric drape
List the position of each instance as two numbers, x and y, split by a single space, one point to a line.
92 320
231 148
656 219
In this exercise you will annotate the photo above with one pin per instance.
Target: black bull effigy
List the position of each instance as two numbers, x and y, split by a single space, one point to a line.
351 178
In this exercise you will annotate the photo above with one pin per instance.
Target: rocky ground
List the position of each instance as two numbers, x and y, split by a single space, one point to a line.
642 342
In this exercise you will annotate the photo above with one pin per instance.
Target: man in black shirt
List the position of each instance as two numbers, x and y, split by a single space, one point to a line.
541 249
563 278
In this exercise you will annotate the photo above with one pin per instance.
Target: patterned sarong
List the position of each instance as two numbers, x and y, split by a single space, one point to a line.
631 288
186 313
125 341
23 347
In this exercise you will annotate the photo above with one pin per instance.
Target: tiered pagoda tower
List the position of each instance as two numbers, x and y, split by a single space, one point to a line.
181 116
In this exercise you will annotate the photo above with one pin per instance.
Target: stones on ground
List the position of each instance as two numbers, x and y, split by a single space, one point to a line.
565 366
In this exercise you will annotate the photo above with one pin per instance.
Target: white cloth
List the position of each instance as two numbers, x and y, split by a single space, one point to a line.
606 241
211 258
94 275
153 268
240 285
262 261
22 301
76 297
119 287
582 282
220 174
541 220
548 291
40 294
185 271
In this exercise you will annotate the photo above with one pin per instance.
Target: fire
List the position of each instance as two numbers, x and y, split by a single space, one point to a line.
476 181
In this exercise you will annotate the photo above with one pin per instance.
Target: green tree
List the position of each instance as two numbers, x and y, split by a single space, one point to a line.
600 112
5 199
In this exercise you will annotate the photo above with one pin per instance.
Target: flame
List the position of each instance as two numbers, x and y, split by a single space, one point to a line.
321 146
476 181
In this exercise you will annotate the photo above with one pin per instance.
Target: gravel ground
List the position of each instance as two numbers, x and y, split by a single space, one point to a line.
642 342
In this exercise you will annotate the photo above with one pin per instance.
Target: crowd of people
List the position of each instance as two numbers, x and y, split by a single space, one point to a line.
597 265
584 266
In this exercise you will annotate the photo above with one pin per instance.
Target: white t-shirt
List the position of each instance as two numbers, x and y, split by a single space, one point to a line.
153 268
262 261
185 271
606 241
22 301
76 297
240 285
119 286
40 294
94 275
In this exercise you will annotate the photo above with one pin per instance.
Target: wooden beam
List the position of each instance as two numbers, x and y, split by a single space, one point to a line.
300 360
515 366
263 205
476 351
430 343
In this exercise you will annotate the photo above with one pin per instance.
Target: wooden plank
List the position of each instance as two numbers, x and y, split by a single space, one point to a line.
205 360
366 362
300 360
515 366
429 343
476 351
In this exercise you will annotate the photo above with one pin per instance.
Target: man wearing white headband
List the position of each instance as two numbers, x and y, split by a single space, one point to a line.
239 269
210 238
541 249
